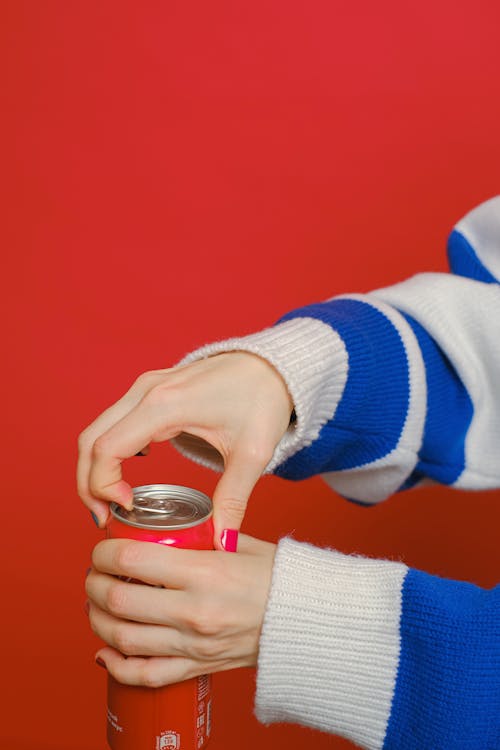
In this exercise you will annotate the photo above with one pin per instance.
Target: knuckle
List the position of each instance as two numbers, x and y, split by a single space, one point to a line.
204 621
157 395
165 395
146 379
97 553
83 440
209 648
116 598
149 675
101 446
88 586
234 506
123 640
127 556
93 622
121 672
257 453
266 454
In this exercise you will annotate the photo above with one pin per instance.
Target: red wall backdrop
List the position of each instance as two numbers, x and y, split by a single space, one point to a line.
177 172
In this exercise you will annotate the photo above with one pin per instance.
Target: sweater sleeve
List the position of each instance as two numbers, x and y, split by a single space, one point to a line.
389 657
398 387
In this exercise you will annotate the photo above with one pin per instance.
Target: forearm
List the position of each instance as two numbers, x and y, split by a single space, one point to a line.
397 386
386 656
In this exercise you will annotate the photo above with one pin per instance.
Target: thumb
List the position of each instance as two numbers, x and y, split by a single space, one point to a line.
231 495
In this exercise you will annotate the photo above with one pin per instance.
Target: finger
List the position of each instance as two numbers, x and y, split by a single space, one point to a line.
155 564
85 444
230 498
98 508
139 603
153 671
134 639
152 420
99 511
110 416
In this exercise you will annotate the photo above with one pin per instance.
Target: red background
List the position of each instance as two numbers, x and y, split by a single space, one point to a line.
177 172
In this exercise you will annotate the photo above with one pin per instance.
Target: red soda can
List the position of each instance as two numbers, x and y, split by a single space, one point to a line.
174 717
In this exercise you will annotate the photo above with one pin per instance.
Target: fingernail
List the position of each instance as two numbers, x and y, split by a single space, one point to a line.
86 607
100 662
94 518
229 540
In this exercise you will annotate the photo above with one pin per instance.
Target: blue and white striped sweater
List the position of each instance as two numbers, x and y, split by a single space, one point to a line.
374 408
392 389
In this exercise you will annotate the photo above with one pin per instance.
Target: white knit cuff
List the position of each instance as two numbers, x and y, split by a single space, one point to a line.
330 642
312 360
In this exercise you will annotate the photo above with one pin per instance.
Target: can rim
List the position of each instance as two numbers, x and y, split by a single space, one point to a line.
178 490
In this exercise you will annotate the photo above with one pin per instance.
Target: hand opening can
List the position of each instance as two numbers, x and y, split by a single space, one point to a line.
174 717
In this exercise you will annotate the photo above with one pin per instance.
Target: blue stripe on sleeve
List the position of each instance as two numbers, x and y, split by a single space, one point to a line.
447 694
372 412
464 261
449 414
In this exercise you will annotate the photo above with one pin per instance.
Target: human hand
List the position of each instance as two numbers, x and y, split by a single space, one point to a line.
201 613
236 402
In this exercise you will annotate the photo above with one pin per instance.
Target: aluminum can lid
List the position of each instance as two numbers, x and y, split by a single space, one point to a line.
165 506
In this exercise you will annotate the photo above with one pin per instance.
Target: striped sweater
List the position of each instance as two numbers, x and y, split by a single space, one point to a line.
392 389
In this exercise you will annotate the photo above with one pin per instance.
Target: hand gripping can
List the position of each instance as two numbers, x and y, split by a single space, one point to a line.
174 717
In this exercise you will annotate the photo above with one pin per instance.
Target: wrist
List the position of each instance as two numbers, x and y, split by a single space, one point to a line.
329 646
311 360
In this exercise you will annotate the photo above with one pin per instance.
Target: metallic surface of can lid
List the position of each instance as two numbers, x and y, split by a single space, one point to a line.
165 506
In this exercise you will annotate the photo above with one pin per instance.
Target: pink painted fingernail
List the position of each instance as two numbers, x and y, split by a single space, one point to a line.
229 540
100 662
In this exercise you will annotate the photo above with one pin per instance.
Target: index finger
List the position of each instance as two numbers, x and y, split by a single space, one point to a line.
152 420
104 422
85 442
148 562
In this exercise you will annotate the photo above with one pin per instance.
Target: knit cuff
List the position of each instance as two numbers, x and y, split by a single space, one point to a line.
330 642
312 360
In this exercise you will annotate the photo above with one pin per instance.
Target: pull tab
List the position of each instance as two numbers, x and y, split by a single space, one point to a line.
155 505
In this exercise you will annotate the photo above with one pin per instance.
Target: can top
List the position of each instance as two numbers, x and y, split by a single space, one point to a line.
165 506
